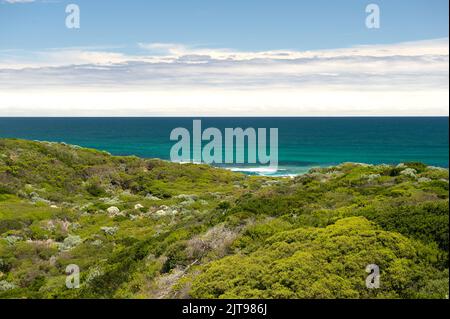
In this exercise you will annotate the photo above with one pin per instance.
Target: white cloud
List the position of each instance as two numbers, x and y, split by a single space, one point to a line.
223 102
426 47
18 1
173 79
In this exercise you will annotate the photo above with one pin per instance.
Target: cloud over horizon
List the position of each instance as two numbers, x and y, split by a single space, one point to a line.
408 78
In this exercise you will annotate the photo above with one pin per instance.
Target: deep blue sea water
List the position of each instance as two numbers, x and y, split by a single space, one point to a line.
303 142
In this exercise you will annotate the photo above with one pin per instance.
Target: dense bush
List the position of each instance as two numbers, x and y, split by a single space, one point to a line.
322 263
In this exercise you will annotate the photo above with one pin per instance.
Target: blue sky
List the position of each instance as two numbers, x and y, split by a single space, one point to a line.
224 57
238 24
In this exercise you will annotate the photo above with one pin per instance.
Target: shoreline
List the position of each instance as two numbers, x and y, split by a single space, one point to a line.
263 171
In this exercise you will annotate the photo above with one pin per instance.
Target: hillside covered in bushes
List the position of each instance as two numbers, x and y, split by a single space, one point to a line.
147 228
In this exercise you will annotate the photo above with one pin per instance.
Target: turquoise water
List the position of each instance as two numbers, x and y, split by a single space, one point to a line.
303 142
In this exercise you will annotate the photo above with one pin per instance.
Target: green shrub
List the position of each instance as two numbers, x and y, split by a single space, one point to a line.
95 189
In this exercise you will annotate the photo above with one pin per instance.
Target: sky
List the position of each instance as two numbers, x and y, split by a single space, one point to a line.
223 57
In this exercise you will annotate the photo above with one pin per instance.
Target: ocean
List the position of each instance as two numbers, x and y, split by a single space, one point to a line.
304 142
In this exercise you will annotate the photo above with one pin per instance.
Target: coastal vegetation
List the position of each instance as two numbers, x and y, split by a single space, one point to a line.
147 228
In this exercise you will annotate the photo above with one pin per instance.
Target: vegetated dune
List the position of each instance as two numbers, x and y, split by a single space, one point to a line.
147 228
